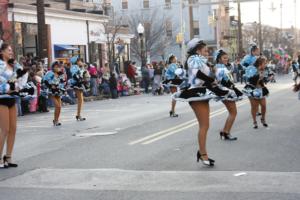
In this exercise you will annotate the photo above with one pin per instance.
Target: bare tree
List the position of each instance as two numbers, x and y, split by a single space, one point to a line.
112 29
156 34
271 36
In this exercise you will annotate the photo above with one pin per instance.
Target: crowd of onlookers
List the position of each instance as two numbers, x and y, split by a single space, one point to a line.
106 82
102 82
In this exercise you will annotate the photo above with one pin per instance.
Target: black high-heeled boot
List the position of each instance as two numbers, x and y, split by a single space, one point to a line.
56 123
8 164
2 165
255 125
227 136
199 157
173 114
79 118
263 121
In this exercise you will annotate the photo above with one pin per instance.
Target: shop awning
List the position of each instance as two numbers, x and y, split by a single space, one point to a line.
61 47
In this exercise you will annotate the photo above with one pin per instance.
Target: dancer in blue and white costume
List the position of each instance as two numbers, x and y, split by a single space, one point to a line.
256 90
297 85
202 88
174 77
79 83
250 59
296 70
225 79
54 86
12 81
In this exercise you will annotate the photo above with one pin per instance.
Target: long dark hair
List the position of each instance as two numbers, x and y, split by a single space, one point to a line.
260 60
253 48
193 51
169 61
3 47
219 55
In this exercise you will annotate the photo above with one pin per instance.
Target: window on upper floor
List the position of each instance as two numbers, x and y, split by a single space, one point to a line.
168 3
124 4
196 27
169 30
107 2
146 4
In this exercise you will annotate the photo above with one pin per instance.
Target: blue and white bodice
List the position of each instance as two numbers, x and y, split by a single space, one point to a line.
248 60
7 76
77 74
170 72
52 80
222 73
196 63
255 87
251 72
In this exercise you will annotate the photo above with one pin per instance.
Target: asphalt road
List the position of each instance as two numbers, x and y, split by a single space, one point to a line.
130 149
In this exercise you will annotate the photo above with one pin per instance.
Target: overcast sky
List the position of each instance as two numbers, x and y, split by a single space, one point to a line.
250 12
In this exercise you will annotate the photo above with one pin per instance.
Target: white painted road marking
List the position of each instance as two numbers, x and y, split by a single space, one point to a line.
95 134
155 181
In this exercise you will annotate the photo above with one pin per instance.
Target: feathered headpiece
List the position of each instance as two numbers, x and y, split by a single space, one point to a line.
193 44
219 54
252 47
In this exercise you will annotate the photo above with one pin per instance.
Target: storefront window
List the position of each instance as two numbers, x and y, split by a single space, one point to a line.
81 52
18 40
65 52
30 39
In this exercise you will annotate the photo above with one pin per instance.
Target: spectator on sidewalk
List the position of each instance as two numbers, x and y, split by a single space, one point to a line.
113 84
94 77
156 86
145 78
104 86
235 72
132 73
67 70
241 71
151 72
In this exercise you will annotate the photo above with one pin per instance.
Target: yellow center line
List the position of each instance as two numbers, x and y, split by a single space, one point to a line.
160 132
182 129
176 129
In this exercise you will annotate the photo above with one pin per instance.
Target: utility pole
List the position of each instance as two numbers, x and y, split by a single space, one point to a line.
42 30
182 32
260 31
296 31
240 34
191 19
281 18
68 4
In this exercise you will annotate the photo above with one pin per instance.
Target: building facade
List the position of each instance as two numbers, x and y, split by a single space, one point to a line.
76 29
195 19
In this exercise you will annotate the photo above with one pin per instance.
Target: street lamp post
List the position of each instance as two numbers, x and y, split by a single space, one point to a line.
141 30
